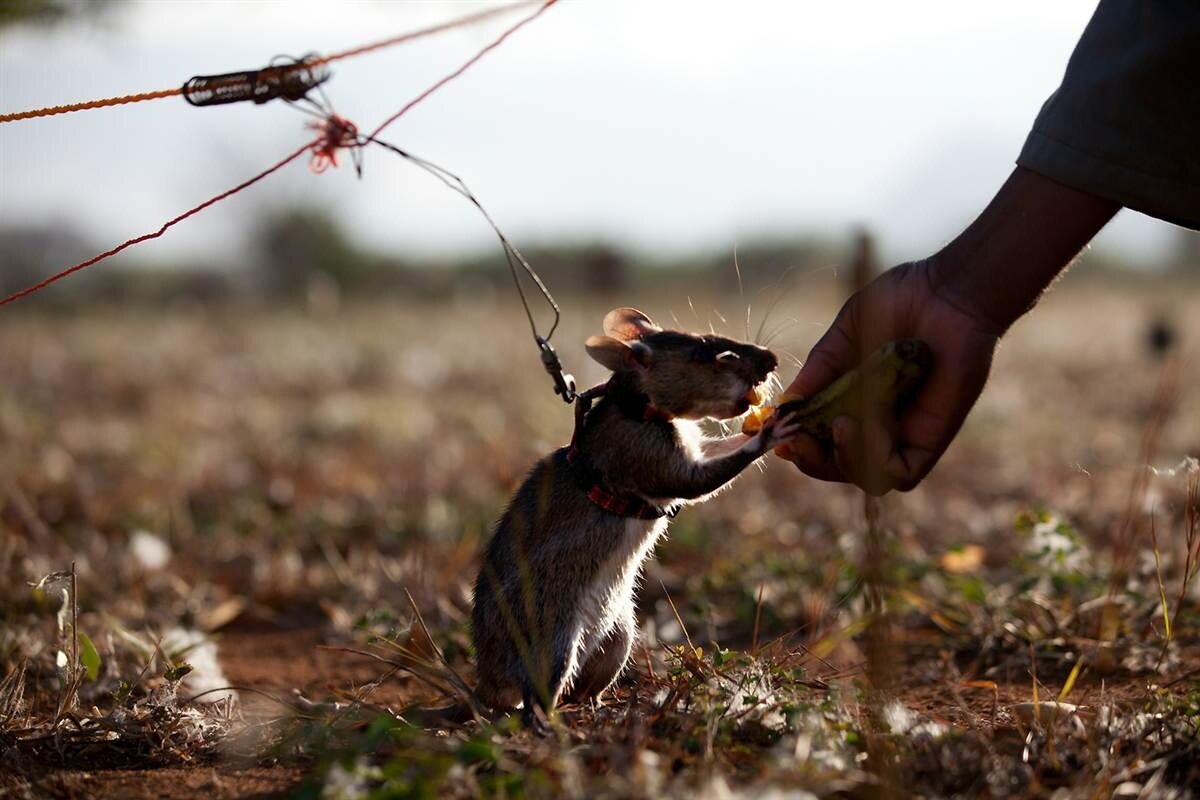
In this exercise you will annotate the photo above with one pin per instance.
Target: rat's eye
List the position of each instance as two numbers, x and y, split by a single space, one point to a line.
702 355
728 356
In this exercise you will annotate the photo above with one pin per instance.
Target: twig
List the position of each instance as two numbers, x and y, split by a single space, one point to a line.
757 617
457 681
678 618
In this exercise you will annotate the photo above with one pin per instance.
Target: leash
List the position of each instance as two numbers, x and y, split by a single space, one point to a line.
564 382
295 80
292 80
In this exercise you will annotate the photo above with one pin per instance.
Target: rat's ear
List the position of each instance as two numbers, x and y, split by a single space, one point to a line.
628 324
617 355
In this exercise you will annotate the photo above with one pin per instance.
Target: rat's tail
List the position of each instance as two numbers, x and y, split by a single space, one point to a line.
452 716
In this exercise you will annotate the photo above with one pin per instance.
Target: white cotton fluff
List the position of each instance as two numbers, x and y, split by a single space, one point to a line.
149 550
201 652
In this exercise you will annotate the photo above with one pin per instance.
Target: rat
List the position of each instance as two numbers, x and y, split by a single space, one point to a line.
554 612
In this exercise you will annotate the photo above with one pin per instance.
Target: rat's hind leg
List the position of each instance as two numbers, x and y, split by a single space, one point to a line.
606 662
544 693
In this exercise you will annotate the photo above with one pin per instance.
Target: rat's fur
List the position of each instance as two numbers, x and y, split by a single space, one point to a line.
554 601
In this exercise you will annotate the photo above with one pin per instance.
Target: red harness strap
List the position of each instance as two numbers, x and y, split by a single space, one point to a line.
588 477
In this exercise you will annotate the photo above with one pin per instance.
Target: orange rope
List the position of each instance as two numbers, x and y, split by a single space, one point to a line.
336 133
469 19
89 104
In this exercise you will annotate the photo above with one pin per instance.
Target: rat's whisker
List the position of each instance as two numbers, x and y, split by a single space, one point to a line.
737 270
780 293
783 326
783 292
792 357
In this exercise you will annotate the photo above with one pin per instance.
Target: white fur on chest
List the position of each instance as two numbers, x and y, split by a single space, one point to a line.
608 598
690 438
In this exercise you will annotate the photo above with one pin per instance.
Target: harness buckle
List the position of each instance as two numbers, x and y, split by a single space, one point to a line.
564 382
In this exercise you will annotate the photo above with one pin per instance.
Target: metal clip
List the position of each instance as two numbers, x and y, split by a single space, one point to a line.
564 382
291 80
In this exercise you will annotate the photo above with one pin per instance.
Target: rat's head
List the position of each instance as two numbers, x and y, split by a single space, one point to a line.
686 375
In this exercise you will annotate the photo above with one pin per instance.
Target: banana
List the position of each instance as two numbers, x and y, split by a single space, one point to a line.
887 378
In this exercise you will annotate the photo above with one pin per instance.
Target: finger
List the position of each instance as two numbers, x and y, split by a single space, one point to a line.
833 355
908 466
785 432
811 458
788 426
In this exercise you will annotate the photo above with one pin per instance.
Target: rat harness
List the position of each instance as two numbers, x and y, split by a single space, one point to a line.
633 405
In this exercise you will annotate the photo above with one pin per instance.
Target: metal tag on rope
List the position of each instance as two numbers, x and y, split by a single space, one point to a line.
292 81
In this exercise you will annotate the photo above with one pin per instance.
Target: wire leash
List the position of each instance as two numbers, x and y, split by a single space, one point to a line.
295 81
564 382
338 132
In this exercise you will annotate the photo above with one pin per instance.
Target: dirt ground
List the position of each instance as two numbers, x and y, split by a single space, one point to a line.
276 481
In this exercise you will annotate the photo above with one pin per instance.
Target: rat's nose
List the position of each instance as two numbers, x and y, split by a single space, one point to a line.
764 361
757 363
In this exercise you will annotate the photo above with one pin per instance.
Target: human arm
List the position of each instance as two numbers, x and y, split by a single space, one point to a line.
1121 130
959 301
1125 122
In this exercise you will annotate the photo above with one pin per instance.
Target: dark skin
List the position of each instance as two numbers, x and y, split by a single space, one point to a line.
960 301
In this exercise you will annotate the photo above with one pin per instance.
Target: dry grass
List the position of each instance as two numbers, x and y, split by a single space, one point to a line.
237 489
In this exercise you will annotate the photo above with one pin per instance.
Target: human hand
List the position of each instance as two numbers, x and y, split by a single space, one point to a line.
886 451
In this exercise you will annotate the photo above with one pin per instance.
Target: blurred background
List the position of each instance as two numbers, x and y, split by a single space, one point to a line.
608 139
260 430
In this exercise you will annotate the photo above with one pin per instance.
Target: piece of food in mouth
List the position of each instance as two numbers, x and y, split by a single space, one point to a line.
756 395
760 412
888 377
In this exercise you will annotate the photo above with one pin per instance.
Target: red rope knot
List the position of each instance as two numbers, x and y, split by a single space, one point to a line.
336 132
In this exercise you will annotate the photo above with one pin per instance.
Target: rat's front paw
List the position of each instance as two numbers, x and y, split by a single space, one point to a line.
777 430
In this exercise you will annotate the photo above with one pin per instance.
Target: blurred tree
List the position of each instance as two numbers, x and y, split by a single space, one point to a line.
569 265
48 12
29 253
605 269
763 262
302 249
862 262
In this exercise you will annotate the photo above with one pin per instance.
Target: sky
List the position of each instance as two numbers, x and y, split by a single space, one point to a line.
667 126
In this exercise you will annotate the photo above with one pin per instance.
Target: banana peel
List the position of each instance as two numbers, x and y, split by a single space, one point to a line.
887 378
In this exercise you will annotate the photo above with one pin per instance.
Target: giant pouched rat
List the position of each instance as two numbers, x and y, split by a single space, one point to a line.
554 601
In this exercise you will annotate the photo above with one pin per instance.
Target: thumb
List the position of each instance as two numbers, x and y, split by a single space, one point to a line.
832 356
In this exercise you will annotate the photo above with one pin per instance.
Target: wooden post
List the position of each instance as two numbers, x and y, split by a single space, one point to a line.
863 268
